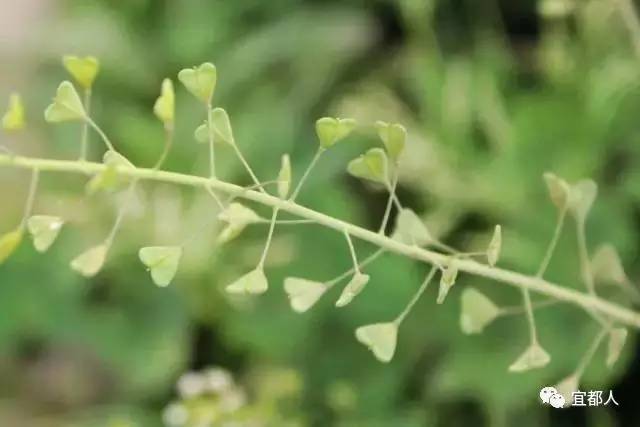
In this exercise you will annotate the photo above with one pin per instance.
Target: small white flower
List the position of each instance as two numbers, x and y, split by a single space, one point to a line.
232 400
175 415
217 380
191 384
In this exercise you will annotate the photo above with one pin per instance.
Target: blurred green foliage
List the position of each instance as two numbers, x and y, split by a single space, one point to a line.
489 103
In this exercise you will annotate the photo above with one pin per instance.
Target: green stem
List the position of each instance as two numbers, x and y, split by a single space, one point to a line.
396 201
121 212
585 263
591 351
215 197
586 301
168 142
306 173
387 211
372 257
352 251
368 260
274 217
234 196
272 227
391 188
101 133
517 310
33 187
289 221
247 166
477 254
531 321
212 154
84 137
416 296
552 244
446 248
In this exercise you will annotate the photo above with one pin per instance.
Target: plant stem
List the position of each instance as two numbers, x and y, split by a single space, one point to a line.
101 133
222 205
289 221
387 211
352 251
591 351
526 296
274 217
121 212
552 245
585 263
215 197
168 142
33 186
585 268
212 155
588 302
372 257
446 248
272 226
234 196
391 188
516 310
416 296
306 173
533 334
368 260
247 167
84 137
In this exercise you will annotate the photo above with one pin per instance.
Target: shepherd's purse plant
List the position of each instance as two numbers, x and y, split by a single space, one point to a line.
380 166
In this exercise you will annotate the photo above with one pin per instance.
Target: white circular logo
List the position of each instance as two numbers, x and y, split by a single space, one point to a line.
546 393
557 401
550 396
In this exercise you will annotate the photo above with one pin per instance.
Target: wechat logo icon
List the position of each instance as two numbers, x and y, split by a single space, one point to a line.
550 396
